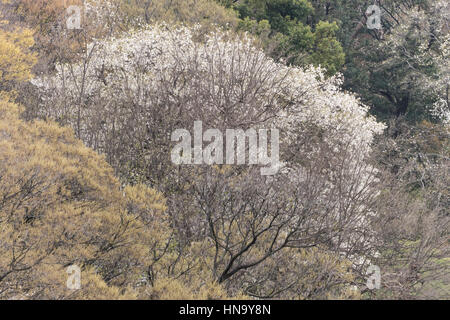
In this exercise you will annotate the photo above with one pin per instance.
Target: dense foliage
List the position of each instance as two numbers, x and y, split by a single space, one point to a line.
86 177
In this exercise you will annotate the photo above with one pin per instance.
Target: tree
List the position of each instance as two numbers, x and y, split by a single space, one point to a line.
300 41
16 59
327 51
343 197
402 70
60 206
413 217
160 79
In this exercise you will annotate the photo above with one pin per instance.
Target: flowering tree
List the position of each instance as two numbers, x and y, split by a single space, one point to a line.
403 69
127 96
343 197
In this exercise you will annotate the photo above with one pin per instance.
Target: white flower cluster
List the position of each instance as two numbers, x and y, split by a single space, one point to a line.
223 80
232 74
429 60
441 110
323 103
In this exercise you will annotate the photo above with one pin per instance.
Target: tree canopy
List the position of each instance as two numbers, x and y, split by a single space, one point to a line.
358 119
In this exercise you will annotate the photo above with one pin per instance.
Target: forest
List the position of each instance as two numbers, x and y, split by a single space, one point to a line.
134 158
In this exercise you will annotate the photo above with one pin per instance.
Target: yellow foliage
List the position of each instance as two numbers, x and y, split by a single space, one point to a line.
189 12
172 289
304 274
60 205
16 58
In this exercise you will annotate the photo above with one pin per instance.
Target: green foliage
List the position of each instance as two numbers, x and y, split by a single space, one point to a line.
402 70
299 41
327 51
279 13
